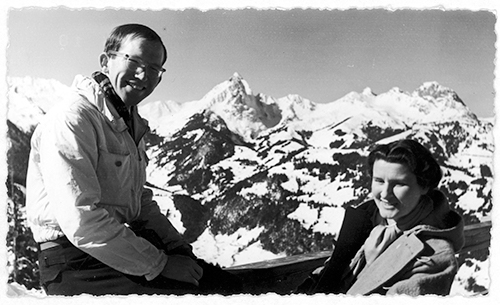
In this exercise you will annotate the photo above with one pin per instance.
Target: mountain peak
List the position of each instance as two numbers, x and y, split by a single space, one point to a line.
368 91
396 90
244 113
236 77
436 91
238 84
432 85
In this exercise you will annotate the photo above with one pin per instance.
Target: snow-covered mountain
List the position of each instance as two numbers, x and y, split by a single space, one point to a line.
248 177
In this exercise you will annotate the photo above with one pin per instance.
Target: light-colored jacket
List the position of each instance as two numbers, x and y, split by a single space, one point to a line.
86 178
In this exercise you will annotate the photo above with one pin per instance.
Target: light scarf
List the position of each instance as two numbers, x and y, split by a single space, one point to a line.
383 235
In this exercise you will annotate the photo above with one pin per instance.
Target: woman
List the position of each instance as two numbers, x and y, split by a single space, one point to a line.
404 240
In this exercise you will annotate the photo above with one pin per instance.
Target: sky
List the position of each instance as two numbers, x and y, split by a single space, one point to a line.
320 54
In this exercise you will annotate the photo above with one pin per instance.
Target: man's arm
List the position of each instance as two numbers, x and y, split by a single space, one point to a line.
69 155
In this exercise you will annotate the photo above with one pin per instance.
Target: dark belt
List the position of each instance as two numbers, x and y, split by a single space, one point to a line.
59 242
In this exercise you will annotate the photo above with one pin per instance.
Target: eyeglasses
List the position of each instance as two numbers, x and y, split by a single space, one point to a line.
139 66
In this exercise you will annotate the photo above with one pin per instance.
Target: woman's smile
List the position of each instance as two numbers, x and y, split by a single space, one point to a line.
395 189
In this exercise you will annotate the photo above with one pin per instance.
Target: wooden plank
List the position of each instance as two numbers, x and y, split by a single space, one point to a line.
279 276
477 236
284 260
283 275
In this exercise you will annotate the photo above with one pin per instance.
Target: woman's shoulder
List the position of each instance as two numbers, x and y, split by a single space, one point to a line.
442 224
368 205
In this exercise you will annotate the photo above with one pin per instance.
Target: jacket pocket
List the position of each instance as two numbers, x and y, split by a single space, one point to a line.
58 259
115 175
50 267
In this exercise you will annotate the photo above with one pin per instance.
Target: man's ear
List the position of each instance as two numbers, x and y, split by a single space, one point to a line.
104 61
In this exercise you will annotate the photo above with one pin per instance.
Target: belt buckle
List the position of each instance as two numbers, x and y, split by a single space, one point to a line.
48 245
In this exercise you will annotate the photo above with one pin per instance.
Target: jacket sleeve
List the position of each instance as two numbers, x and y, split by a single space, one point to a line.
431 273
154 219
68 160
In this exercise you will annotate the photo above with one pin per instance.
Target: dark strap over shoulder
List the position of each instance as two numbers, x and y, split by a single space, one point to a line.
111 95
114 99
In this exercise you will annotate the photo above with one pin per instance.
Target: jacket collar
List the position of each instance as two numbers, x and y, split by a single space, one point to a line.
89 88
401 252
139 124
443 222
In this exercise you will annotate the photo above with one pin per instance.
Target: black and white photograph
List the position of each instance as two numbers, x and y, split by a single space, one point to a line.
237 152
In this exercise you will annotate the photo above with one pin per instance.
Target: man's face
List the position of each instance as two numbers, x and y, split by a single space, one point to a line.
133 86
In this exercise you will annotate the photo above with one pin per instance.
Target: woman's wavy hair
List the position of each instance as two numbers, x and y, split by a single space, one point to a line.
120 33
412 154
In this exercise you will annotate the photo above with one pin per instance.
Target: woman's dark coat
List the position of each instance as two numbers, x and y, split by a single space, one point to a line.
421 261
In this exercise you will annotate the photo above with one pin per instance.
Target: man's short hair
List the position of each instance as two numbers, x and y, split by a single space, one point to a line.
122 32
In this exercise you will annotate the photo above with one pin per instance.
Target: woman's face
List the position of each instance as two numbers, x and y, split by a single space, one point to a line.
395 189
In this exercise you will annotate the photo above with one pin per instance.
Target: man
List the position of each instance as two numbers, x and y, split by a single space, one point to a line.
99 230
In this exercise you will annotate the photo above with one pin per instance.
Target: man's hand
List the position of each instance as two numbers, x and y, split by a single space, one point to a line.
182 268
